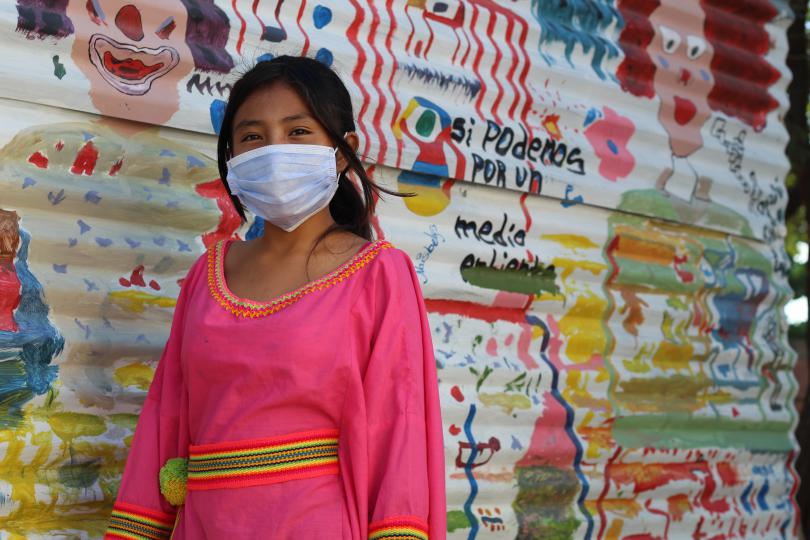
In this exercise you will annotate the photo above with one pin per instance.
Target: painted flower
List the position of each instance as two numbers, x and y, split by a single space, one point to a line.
609 136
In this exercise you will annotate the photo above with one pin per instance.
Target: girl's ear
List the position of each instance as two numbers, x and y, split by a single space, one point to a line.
354 143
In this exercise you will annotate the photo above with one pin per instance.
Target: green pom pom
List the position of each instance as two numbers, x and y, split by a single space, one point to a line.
173 477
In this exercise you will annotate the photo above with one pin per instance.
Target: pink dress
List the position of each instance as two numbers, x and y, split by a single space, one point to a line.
314 415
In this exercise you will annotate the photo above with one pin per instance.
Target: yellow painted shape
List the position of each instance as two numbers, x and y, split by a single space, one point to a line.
582 328
507 402
614 530
673 356
428 201
676 393
546 296
569 265
137 301
69 425
137 374
571 241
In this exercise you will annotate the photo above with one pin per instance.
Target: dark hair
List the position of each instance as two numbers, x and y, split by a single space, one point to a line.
330 104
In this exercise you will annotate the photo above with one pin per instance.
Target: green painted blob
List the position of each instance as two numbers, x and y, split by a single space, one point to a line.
426 123
682 431
79 475
535 280
544 503
457 519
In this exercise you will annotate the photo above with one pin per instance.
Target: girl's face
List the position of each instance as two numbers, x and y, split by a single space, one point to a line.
277 115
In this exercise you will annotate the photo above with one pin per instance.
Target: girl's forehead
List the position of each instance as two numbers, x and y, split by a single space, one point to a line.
275 100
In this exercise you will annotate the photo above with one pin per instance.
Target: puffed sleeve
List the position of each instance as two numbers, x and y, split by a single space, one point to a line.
401 470
140 511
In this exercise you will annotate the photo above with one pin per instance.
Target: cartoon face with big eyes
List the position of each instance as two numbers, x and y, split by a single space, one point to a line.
136 49
683 79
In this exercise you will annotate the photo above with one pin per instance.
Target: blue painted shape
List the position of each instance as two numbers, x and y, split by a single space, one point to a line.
324 56
83 227
103 242
321 16
87 136
173 204
422 178
60 268
26 369
256 229
91 285
92 197
194 161
570 201
266 57
469 474
166 177
663 61
83 327
131 243
217 110
183 246
516 444
167 153
159 240
612 147
274 34
72 242
569 423
762 496
593 114
744 498
28 182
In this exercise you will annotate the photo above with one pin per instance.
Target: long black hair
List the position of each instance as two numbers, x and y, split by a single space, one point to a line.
330 104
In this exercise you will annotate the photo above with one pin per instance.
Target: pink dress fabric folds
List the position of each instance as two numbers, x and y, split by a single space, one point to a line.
314 415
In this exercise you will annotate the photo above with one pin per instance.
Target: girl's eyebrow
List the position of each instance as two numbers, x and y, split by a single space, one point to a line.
300 116
247 122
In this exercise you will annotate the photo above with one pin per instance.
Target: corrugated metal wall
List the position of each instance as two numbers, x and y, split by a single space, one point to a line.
598 233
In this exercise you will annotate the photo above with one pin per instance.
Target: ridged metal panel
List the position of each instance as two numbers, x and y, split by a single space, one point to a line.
612 350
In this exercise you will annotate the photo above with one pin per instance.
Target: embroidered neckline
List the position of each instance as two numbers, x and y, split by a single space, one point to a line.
244 307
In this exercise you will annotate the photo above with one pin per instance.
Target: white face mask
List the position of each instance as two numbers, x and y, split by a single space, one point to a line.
284 183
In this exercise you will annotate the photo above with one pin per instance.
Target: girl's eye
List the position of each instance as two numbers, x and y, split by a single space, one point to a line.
299 132
250 137
671 39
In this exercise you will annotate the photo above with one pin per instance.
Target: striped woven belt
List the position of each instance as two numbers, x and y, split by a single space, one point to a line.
303 454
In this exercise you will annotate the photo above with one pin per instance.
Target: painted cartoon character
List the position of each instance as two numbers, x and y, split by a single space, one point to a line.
428 126
9 282
687 54
134 55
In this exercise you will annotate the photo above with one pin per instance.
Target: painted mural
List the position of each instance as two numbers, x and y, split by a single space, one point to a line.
597 228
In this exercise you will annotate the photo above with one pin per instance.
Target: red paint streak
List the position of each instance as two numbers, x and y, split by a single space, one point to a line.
59 145
229 219
524 342
298 22
495 65
790 465
550 123
509 339
255 14
454 429
86 159
603 494
728 474
683 275
655 511
154 285
456 393
116 167
243 24
129 68
375 82
447 186
492 347
351 33
136 278
413 28
526 211
38 159
475 311
392 26
429 41
530 256
128 20
167 30
510 75
477 62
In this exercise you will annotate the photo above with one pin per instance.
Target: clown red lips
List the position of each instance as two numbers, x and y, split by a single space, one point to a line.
128 68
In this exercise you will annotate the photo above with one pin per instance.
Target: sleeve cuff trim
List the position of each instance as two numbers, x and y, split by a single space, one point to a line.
398 528
133 522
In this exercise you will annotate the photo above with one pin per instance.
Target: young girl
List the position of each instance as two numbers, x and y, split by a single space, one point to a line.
297 394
